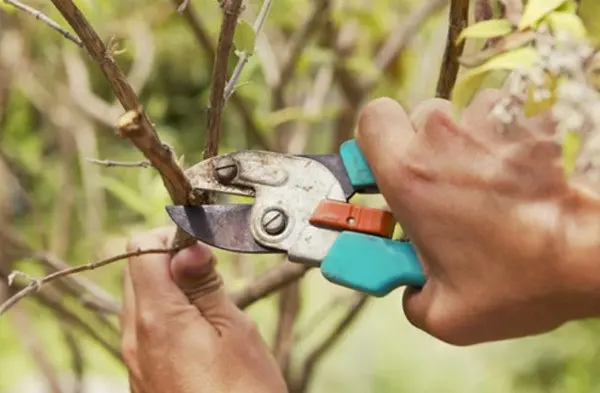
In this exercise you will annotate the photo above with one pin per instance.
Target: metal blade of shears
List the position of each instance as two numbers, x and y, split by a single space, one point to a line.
223 226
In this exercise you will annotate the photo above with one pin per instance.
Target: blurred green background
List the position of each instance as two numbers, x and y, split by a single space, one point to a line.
56 110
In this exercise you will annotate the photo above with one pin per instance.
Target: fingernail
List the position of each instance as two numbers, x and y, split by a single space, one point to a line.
192 262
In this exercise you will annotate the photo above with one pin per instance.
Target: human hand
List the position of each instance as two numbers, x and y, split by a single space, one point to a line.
508 245
180 331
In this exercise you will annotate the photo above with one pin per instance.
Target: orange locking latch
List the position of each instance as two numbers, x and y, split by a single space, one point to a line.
344 216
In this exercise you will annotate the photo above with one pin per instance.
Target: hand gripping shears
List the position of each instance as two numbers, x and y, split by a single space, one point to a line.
301 208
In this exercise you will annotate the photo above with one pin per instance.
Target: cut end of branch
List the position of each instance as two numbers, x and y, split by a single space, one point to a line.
129 123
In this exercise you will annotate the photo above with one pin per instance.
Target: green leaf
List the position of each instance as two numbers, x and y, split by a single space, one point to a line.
589 10
568 22
521 58
244 37
486 29
536 10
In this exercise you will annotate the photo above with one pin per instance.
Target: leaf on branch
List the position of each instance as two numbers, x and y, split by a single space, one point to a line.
522 58
536 10
568 22
504 44
486 29
244 37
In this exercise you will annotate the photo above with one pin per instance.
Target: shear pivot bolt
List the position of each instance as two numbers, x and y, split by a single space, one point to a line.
274 222
226 170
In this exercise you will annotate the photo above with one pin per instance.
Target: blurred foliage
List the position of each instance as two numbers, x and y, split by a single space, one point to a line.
59 202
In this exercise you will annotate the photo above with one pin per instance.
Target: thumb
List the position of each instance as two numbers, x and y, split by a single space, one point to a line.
193 270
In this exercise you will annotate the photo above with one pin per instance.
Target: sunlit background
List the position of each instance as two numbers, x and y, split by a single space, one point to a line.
57 112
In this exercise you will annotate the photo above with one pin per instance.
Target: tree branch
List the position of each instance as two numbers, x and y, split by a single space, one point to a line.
231 12
258 24
110 163
35 285
458 20
276 278
204 40
134 124
44 19
316 355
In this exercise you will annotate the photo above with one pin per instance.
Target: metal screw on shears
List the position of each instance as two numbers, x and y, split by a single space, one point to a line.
274 222
226 170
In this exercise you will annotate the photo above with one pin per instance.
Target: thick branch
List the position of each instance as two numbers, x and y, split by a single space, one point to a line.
142 134
458 19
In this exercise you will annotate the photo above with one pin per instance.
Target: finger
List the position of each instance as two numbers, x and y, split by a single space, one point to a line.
193 269
384 134
422 112
417 305
155 291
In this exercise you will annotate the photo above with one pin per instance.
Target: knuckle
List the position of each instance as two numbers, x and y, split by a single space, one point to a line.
374 109
149 324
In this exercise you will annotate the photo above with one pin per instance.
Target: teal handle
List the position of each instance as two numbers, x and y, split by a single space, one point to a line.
359 173
371 264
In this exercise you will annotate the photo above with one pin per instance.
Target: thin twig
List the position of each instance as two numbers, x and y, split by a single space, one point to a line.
205 41
52 302
271 281
39 15
458 20
320 315
89 294
258 24
231 12
316 355
126 164
35 285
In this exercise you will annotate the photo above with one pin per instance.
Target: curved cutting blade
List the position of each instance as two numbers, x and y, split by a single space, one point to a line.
223 226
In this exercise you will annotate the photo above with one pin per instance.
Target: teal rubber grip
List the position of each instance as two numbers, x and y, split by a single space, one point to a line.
371 264
359 173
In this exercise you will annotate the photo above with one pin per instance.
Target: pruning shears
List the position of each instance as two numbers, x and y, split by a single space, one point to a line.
301 208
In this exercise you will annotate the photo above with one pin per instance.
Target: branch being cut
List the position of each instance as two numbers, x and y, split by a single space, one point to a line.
458 20
39 15
134 125
35 285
